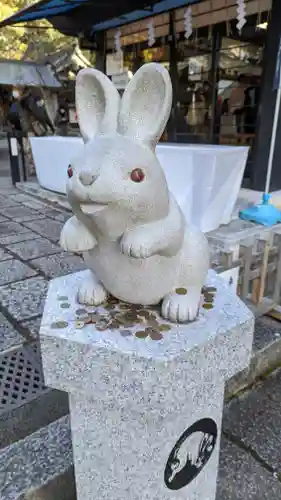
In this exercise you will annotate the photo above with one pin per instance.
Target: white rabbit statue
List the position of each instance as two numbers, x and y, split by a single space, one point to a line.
133 235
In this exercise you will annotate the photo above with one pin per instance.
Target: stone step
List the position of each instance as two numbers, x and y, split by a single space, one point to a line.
266 356
39 467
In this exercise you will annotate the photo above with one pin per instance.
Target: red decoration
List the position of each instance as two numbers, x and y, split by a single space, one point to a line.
137 175
70 171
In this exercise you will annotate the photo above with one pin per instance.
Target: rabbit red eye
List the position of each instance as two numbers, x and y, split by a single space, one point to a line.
70 171
137 175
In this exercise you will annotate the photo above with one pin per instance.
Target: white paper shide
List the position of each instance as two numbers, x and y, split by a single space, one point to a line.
117 39
131 231
187 23
241 14
151 34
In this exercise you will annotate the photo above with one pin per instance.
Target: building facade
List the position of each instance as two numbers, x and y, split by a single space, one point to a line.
222 77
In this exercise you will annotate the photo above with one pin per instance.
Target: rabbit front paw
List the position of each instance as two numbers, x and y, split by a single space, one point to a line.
91 292
181 307
137 244
75 237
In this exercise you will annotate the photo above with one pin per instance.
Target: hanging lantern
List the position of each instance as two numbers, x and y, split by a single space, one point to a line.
241 14
117 38
187 23
151 34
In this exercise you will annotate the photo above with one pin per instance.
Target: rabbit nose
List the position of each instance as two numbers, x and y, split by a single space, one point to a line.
87 178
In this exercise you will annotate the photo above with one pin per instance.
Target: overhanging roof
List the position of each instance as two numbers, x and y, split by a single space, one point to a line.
91 11
158 8
74 17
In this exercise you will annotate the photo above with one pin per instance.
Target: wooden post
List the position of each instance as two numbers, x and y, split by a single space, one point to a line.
247 248
263 271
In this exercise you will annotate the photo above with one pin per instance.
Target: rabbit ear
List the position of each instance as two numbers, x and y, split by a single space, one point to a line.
97 103
146 104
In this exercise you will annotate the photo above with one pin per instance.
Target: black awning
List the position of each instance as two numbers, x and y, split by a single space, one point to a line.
73 16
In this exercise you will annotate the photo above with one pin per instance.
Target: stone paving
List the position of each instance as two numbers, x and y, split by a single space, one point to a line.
30 256
250 459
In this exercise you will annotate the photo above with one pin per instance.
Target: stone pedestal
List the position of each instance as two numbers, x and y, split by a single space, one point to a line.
146 396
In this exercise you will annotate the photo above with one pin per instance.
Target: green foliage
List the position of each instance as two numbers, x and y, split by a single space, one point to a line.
17 42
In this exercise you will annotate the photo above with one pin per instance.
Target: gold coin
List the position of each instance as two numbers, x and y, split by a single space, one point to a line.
141 334
130 314
124 306
109 307
115 313
81 311
65 305
62 297
208 306
79 324
131 322
163 327
181 291
122 321
155 335
144 313
95 317
102 326
59 324
113 325
83 318
125 333
151 315
120 316
209 298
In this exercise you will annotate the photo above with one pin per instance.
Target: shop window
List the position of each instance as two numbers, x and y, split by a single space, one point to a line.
240 71
194 93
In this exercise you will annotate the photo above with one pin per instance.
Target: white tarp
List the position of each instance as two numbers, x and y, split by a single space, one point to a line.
19 73
205 179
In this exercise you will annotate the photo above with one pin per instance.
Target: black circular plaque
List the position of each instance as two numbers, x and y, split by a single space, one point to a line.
191 453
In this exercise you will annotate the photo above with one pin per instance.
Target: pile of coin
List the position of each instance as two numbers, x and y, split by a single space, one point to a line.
208 293
121 316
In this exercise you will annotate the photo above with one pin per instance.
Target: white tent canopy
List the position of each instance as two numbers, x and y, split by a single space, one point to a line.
27 74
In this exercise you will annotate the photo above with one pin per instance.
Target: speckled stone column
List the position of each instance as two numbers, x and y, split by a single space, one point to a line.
146 396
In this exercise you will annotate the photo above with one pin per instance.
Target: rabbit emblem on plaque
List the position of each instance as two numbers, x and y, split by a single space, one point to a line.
133 235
